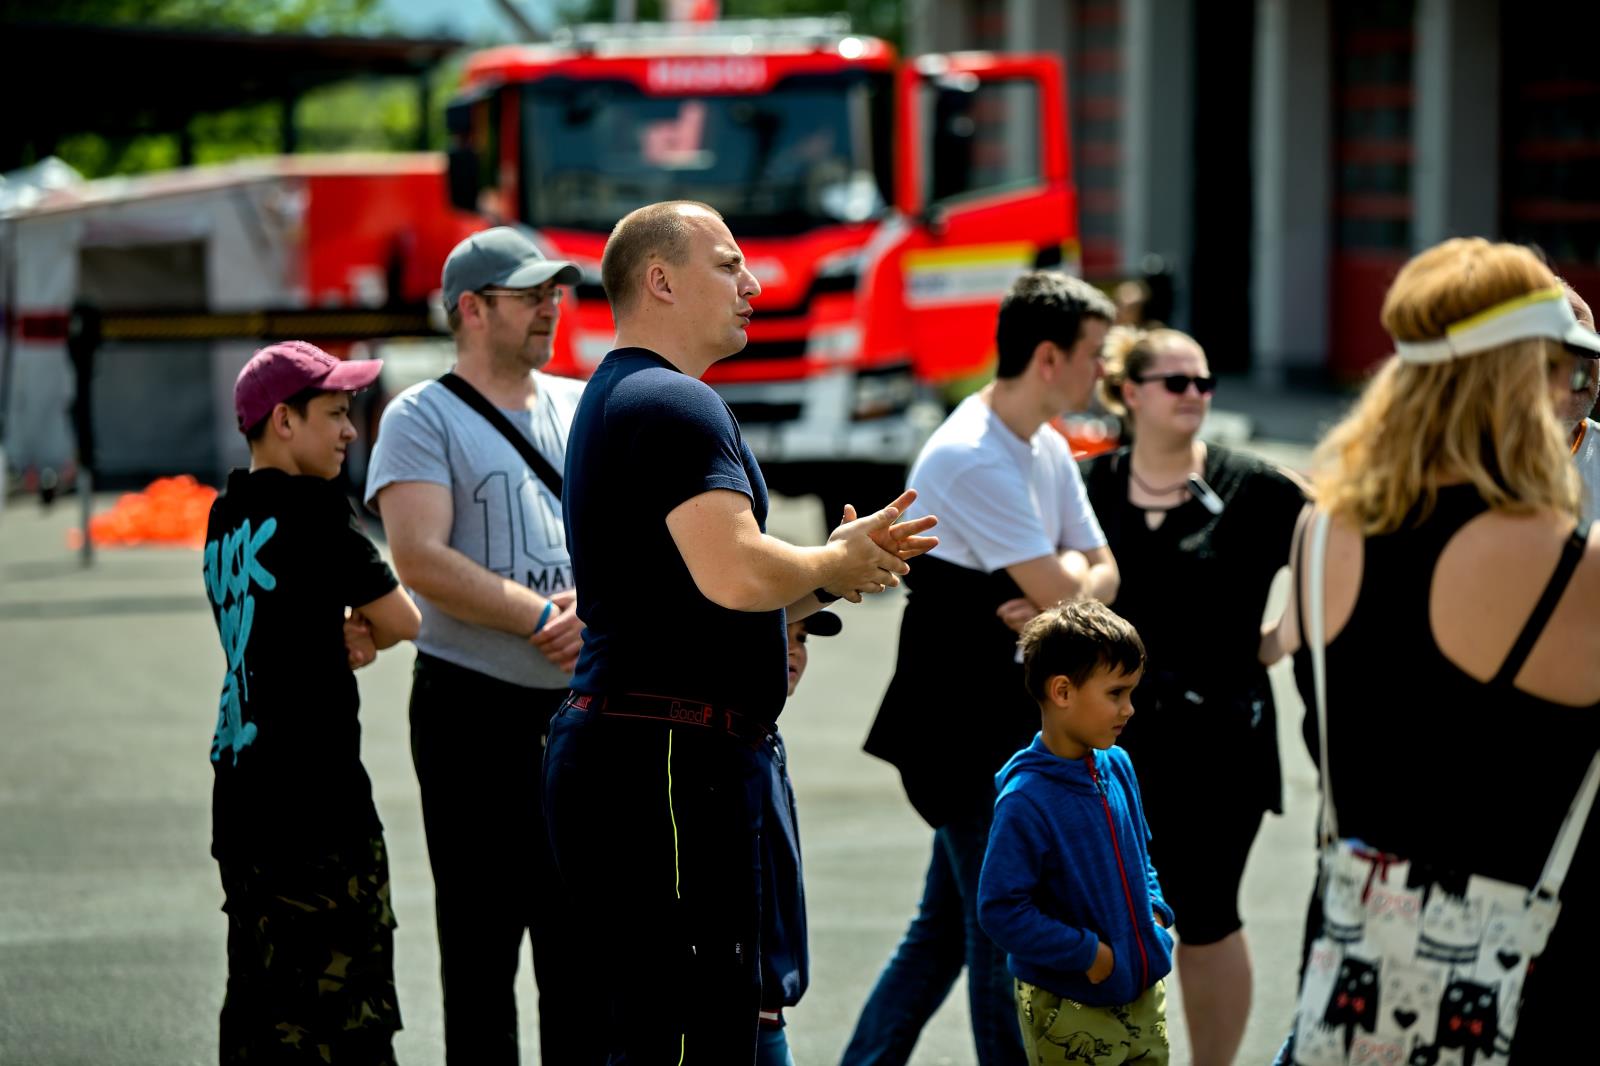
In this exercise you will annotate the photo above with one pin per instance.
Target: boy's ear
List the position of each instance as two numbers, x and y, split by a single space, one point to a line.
278 422
1059 689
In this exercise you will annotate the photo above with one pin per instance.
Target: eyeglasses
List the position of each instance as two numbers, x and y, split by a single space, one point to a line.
1582 375
529 297
1178 384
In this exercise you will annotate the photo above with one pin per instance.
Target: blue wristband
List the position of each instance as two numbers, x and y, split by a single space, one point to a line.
544 615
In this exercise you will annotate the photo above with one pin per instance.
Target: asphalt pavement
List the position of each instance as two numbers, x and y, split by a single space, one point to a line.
111 938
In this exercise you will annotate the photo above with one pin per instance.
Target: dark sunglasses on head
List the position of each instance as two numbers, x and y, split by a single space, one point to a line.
1178 384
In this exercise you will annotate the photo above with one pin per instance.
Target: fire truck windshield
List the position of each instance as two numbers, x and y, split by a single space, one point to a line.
812 151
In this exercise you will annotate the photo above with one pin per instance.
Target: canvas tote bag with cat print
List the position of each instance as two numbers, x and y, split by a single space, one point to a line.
1415 974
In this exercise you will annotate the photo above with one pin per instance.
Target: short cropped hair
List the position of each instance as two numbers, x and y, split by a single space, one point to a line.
1075 640
1044 305
656 230
299 403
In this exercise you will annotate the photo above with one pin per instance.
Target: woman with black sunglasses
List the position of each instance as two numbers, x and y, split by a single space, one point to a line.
1200 532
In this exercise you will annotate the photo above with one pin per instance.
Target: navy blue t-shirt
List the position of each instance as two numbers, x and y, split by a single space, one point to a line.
645 438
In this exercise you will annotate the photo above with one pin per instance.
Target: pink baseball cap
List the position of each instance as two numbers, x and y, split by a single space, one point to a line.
280 370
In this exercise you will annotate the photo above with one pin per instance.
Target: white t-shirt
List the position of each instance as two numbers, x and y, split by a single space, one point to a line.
1588 460
1001 500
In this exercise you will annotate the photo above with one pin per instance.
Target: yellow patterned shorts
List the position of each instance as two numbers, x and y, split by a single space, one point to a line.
1057 1030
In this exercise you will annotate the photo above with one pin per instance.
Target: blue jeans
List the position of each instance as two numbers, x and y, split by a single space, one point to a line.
772 1048
943 937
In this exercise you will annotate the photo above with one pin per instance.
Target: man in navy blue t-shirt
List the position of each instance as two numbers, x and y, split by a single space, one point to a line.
655 770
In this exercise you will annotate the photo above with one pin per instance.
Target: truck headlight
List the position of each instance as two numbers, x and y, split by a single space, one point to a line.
835 344
880 393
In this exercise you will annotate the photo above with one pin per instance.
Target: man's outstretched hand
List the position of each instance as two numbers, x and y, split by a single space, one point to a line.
876 548
902 539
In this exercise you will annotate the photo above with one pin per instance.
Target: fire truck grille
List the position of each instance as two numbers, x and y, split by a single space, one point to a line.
789 349
750 414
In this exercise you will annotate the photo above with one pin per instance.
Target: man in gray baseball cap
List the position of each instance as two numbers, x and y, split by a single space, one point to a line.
501 258
477 536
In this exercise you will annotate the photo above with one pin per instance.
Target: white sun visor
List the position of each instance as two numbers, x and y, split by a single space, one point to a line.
1544 313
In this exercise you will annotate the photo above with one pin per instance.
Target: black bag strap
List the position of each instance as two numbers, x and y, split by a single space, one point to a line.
491 414
1571 555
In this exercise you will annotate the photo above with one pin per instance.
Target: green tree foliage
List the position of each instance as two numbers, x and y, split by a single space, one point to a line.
255 16
358 115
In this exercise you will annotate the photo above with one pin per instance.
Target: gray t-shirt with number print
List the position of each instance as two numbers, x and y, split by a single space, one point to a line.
505 519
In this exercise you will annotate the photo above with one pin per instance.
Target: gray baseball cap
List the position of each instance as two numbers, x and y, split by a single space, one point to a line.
500 258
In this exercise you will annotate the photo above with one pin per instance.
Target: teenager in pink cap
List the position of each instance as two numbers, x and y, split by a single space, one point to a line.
294 829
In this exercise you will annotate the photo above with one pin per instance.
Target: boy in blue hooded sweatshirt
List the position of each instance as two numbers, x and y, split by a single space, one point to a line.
1067 889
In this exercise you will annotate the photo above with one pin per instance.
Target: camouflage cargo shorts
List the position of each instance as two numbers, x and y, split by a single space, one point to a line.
310 960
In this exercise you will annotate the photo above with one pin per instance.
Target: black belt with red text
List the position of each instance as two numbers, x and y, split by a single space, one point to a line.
673 711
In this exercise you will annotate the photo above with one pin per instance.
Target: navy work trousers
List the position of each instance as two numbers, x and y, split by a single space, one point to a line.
656 829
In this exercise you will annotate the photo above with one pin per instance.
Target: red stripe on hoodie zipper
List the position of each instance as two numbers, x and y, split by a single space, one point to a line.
1127 890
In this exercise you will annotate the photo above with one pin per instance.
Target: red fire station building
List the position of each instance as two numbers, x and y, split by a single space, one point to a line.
1282 158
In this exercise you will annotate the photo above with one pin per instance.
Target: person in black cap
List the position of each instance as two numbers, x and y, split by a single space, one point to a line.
476 532
785 960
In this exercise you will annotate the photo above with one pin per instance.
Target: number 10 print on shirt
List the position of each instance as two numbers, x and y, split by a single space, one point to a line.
524 542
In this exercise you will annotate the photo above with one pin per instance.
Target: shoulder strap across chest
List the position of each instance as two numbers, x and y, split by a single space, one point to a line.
491 414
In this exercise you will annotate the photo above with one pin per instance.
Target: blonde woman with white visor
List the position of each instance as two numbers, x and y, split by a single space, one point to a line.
1461 627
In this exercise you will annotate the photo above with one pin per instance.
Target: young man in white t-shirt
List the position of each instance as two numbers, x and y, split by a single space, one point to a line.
1017 535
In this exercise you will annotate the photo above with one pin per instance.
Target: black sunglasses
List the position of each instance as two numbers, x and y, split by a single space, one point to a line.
1178 384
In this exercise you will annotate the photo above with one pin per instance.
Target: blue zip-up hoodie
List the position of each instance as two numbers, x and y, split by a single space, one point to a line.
1067 867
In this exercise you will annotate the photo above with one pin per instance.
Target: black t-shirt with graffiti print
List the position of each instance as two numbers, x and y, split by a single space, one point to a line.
284 557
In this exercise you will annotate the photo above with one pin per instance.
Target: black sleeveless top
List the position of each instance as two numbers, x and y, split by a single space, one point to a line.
1195 587
1450 772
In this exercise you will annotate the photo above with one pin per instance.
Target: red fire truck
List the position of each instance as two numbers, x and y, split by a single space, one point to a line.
884 206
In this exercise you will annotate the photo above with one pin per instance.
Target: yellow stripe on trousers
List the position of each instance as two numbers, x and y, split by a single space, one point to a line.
677 876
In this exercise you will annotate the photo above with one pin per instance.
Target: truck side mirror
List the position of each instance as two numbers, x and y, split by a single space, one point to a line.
458 120
473 125
463 178
953 133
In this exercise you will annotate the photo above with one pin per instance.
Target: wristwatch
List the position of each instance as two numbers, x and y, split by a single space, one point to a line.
824 597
